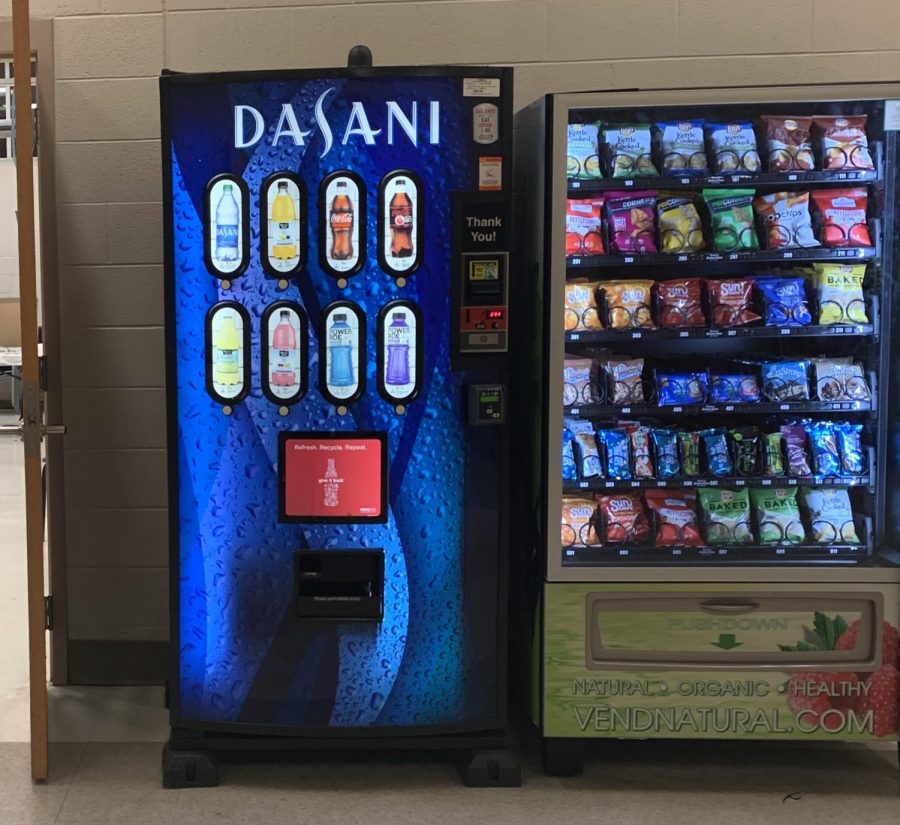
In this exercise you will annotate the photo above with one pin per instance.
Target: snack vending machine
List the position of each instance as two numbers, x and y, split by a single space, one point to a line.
716 554
337 272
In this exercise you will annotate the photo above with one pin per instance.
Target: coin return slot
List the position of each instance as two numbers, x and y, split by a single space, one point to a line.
344 585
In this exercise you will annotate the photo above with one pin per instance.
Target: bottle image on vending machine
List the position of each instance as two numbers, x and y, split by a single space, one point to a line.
397 342
341 221
226 352
228 221
331 485
284 215
401 218
340 350
283 353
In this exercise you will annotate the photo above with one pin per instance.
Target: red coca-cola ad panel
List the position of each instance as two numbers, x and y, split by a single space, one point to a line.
333 477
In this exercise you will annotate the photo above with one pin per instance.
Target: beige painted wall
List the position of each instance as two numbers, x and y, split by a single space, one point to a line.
108 53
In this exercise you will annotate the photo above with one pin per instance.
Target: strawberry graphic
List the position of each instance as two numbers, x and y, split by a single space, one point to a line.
882 699
890 647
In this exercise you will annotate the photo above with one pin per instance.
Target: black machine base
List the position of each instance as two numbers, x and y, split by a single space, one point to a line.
190 758
562 757
189 769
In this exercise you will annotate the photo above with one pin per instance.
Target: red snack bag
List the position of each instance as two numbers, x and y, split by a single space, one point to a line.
732 302
584 221
680 303
842 213
676 517
844 142
631 221
623 518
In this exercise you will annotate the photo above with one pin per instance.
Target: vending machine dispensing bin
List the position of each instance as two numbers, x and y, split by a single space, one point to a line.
717 549
337 273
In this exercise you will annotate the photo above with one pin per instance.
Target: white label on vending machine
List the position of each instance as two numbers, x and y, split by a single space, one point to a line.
485 127
490 174
481 87
892 115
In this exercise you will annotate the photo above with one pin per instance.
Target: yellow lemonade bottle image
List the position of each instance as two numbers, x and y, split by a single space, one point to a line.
226 352
284 220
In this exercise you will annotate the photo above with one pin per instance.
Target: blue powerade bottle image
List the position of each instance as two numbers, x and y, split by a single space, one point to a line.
340 336
397 370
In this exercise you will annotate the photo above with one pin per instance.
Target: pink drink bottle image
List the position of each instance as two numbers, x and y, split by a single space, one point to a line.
283 353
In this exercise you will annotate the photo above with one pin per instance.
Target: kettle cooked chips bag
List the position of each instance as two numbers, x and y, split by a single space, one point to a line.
733 148
582 158
627 150
830 515
681 147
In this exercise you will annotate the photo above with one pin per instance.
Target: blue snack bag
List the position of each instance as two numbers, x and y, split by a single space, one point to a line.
618 455
785 381
569 468
733 389
849 441
675 388
718 459
825 448
785 302
667 462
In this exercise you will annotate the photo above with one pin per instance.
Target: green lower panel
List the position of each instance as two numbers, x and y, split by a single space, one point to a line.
721 661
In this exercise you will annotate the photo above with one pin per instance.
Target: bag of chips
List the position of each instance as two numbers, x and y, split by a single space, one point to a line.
836 380
842 216
666 444
786 219
731 213
733 147
578 528
777 516
680 228
825 449
582 312
732 302
745 444
830 515
627 149
726 516
785 381
798 463
849 439
577 385
582 157
586 444
681 147
843 142
676 388
569 468
623 518
733 389
689 448
839 289
631 221
618 458
788 143
641 459
626 380
628 304
785 301
676 517
718 461
774 457
680 303
584 227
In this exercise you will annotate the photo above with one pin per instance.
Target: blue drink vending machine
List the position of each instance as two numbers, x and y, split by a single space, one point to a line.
337 279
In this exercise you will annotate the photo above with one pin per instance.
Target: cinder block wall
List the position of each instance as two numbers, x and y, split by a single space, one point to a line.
108 53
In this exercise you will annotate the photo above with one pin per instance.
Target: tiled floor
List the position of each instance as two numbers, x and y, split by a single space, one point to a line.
105 763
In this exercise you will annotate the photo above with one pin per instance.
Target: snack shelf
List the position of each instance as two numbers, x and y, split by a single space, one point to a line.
742 554
578 187
602 484
788 408
801 254
810 331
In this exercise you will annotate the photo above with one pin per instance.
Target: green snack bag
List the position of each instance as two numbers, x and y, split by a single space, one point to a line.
777 516
774 455
731 213
726 516
689 446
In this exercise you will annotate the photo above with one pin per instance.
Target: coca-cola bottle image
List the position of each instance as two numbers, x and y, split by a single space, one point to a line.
341 220
331 485
401 218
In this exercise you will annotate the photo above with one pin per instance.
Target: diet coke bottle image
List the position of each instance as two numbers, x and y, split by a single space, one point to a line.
401 220
341 222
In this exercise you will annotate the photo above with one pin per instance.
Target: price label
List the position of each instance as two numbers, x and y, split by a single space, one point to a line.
739 482
792 177
626 410
677 409
629 259
786 331
767 482
784 407
635 483
729 408
574 184
574 336
685 181
629 182
681 258
787 255
683 334
576 261
637 335
731 333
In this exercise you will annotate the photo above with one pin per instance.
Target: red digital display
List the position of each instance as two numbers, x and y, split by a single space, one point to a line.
334 477
495 313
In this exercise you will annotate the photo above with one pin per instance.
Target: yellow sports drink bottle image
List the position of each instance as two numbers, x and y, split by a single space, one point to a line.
226 348
284 217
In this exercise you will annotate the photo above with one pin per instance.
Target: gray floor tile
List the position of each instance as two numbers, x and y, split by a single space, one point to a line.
23 801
